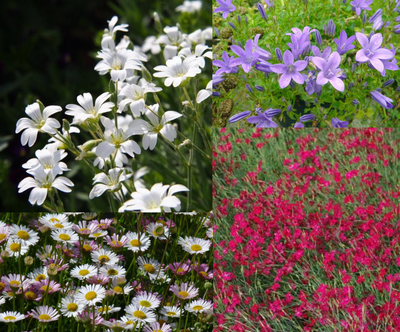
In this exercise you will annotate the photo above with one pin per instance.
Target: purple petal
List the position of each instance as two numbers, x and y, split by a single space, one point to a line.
288 58
361 57
300 65
285 80
279 68
337 83
298 78
239 116
376 41
321 79
238 50
377 64
362 39
319 62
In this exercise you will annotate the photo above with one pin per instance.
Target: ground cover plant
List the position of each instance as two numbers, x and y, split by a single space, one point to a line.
308 228
306 63
85 272
145 140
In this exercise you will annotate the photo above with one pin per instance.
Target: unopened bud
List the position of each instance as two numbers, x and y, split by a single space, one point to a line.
52 271
146 74
5 254
66 125
208 285
121 281
28 260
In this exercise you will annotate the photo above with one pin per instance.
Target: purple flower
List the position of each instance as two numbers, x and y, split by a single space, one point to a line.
216 79
289 70
329 71
226 7
343 44
382 100
264 120
263 54
311 83
298 125
239 116
307 117
359 5
336 123
371 51
225 64
325 54
300 41
247 58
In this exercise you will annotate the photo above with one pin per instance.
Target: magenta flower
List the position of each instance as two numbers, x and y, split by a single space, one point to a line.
225 64
247 57
344 44
359 5
372 52
289 70
329 71
226 7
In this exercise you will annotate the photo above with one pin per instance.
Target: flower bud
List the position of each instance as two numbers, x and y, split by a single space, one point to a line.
5 254
146 74
52 270
28 260
121 281
208 285
66 125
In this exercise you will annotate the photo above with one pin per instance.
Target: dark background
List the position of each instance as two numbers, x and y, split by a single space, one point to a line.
47 52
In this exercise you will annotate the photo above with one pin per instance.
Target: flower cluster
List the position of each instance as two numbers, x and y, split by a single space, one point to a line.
307 230
343 72
121 129
96 275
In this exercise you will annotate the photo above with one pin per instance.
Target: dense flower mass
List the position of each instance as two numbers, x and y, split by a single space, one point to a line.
75 272
152 125
307 230
283 54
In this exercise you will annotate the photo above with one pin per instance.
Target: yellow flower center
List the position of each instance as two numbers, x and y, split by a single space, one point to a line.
204 274
117 243
104 257
102 225
15 283
84 229
184 294
14 247
10 318
139 314
45 287
90 295
30 295
195 247
2 236
44 317
84 272
112 272
23 235
58 225
197 307
158 331
96 234
171 313
135 243
101 309
86 247
146 304
180 270
72 307
117 289
129 322
2 286
149 268
64 237
53 220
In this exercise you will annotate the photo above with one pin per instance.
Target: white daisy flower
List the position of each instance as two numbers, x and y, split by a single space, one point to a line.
90 294
210 233
121 290
147 300
158 230
157 327
49 159
150 267
16 247
177 72
117 139
98 234
57 220
41 182
104 256
135 244
194 245
38 274
140 314
39 121
46 253
24 234
134 96
172 311
11 317
130 323
84 272
4 232
70 307
108 182
198 306
156 126
45 314
113 271
65 236
88 111
159 197
185 290
189 6
102 310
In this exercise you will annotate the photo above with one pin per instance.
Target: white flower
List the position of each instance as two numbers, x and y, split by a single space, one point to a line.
157 126
140 314
90 294
117 139
41 183
197 56
11 317
194 245
38 122
135 244
65 236
70 307
150 267
205 93
113 271
105 256
87 110
154 200
172 311
83 272
189 6
177 71
111 181
49 159
172 40
23 233
198 306
200 36
120 64
16 247
150 44
147 300
135 97
56 221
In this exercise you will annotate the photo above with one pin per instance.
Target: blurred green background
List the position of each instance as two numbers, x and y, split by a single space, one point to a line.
48 52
